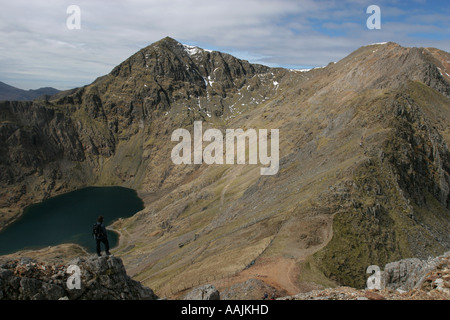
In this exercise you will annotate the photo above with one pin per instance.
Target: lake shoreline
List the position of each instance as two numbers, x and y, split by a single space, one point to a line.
68 218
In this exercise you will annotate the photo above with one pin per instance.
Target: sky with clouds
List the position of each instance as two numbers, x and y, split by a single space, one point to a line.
38 49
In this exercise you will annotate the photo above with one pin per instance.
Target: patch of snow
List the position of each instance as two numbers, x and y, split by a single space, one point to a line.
191 50
210 81
373 44
275 83
300 70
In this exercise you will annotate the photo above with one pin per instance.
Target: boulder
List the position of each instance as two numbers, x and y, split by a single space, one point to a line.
205 292
408 274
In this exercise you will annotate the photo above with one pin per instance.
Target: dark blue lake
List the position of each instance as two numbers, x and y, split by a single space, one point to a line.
69 218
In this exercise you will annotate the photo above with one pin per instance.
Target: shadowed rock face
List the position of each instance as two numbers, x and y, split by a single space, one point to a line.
102 278
364 161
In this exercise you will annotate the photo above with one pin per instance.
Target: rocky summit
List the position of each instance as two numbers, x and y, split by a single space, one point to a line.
363 173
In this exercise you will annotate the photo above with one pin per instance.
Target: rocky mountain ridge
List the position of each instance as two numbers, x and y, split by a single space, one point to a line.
364 163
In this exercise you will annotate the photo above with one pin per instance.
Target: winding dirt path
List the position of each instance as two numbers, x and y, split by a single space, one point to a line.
280 272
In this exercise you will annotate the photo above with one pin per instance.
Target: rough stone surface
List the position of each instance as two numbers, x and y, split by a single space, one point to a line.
252 289
101 278
205 292
407 279
408 274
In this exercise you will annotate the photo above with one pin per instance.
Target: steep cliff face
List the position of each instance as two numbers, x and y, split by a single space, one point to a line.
364 163
40 151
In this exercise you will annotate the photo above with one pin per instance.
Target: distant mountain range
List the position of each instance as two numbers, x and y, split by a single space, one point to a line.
8 92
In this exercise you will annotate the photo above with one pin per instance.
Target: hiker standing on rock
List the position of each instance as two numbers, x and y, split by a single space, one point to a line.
100 235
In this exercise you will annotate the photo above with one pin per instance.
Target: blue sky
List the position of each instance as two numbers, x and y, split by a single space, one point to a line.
39 50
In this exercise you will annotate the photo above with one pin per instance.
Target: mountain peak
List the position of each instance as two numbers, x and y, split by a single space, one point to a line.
390 65
166 42
176 47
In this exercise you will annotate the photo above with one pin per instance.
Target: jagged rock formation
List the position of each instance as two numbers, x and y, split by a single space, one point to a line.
364 163
102 278
408 274
407 279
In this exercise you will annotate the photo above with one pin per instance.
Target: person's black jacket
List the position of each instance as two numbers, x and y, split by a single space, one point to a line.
103 233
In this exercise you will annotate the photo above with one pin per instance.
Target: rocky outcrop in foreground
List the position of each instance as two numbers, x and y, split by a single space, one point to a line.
100 278
407 279
409 274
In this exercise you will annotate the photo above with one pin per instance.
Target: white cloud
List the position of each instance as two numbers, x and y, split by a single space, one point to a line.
39 50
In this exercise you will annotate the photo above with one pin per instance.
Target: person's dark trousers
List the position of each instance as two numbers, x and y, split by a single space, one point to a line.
105 242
